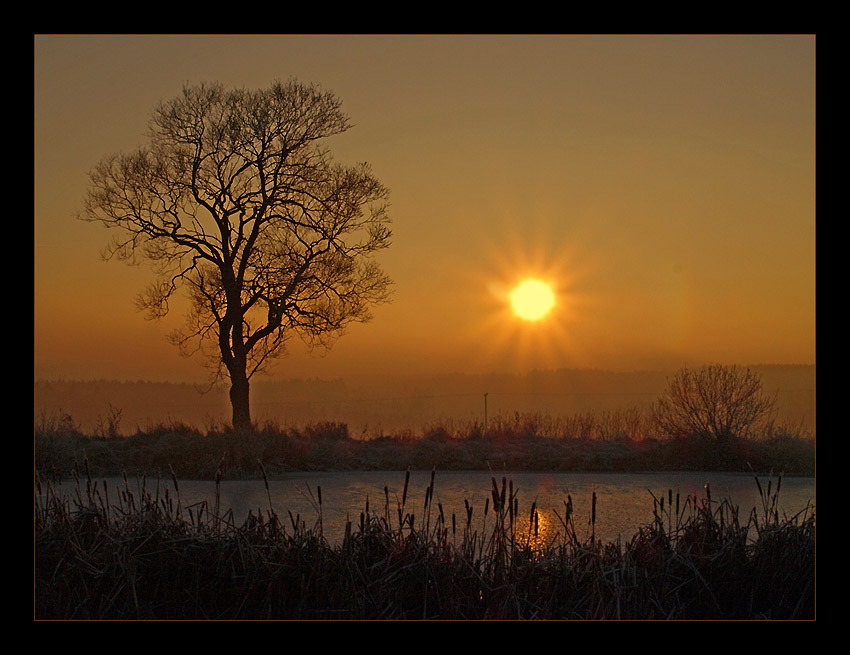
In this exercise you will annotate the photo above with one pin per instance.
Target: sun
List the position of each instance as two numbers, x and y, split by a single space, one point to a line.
532 300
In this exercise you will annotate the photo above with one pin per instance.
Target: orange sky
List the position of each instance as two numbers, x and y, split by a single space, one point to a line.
663 184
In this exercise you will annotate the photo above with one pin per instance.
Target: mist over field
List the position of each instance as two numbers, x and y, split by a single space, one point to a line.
372 406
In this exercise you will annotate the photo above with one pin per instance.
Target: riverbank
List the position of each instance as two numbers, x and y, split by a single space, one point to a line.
188 453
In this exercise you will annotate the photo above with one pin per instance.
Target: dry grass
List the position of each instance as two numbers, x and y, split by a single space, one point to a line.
612 441
148 556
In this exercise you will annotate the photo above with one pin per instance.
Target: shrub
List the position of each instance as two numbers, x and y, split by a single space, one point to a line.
715 402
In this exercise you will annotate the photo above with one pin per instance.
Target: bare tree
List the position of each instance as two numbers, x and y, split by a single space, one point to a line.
714 402
236 201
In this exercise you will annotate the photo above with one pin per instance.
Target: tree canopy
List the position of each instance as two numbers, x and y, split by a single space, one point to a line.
235 200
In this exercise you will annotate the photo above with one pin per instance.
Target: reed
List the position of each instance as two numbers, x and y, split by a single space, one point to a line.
146 555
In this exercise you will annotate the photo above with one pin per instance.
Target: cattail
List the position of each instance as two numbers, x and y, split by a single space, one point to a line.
593 509
173 477
406 482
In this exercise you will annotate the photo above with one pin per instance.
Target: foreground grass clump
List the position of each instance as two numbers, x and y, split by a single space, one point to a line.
147 556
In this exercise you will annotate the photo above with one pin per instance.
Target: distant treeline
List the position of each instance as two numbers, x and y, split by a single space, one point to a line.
373 406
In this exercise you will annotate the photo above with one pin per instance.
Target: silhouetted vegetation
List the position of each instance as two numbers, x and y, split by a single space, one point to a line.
607 441
377 404
714 402
236 201
147 556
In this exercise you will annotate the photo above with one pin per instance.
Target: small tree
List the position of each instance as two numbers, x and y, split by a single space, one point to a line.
236 201
715 402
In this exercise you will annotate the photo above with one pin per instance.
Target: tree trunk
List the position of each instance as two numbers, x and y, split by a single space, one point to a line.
239 400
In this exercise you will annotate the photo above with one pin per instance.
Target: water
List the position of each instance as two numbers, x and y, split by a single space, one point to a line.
624 501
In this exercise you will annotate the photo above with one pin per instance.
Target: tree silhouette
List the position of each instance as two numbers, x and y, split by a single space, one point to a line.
236 201
714 402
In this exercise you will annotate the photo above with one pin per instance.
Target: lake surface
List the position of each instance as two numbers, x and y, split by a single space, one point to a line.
624 501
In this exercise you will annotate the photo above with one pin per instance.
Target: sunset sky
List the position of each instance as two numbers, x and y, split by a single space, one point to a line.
663 186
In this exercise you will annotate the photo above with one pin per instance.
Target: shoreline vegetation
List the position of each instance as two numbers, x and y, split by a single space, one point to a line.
146 556
608 441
